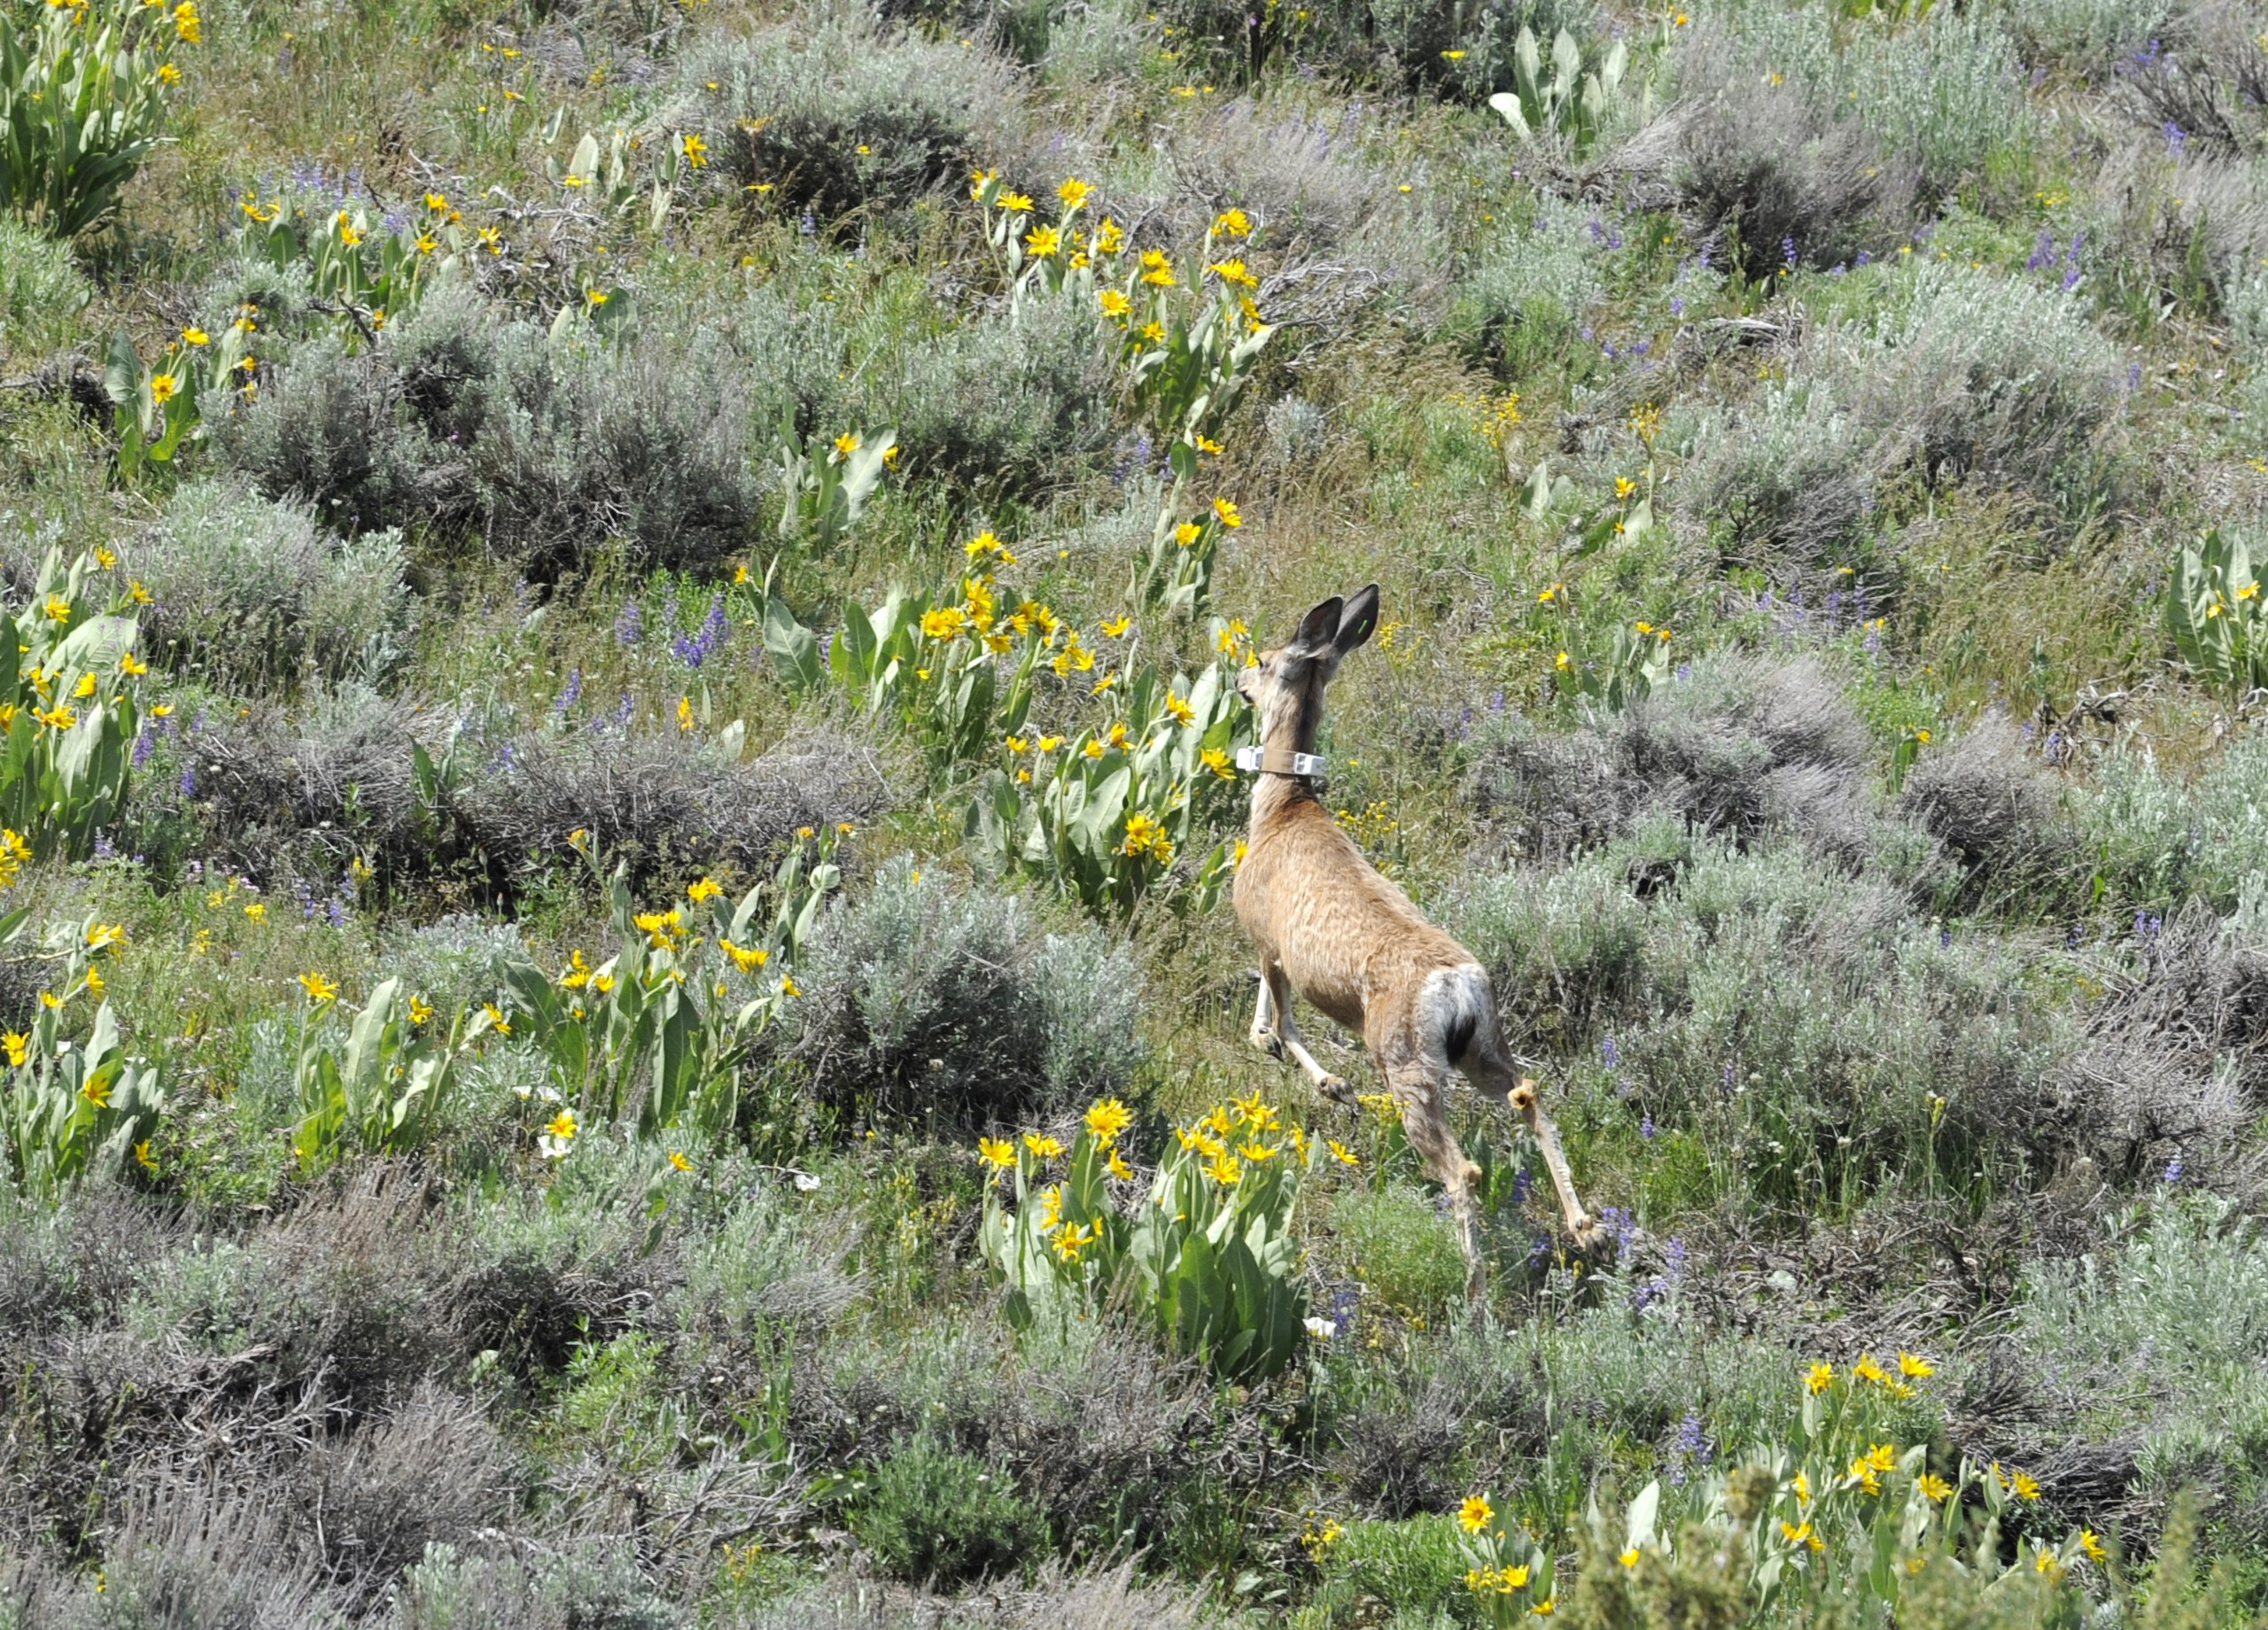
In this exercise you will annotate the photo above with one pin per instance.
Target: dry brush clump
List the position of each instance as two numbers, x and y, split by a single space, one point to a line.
1743 747
933 1001
1958 375
275 793
545 448
247 592
843 112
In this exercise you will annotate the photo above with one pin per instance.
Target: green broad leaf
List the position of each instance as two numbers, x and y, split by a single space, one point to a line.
793 648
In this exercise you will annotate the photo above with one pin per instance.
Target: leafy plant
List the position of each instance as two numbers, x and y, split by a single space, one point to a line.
1188 337
1104 814
931 1514
2215 613
609 176
386 1085
656 1033
1207 1257
72 1106
935 662
67 706
825 484
1566 101
363 271
83 95
1844 1520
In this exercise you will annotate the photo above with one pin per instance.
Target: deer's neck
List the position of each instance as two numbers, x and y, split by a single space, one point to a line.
1291 728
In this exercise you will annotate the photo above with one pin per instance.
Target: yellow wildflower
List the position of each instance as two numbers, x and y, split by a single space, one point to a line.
1475 1514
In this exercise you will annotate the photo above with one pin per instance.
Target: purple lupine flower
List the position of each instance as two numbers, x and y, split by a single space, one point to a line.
2173 1169
2133 377
2175 138
1676 1259
570 695
189 781
336 913
1788 253
1864 258
629 627
2044 254
1611 1053
144 744
1646 1128
1677 306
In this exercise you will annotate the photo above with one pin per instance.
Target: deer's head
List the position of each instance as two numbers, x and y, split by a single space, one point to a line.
1285 686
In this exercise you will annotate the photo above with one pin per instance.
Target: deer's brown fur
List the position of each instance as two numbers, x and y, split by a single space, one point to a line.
1329 928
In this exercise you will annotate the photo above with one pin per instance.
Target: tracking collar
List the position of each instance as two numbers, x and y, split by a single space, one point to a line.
1280 761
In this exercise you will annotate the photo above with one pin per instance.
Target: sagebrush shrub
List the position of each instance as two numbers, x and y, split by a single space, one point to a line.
1533 285
1738 746
1759 170
844 112
1810 1021
1977 374
247 590
327 430
1791 473
1020 402
1992 806
2170 1316
2086 35
279 794
590 1584
548 448
933 999
433 1469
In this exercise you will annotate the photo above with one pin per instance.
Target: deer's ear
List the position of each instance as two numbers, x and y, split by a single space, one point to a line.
1317 627
1359 621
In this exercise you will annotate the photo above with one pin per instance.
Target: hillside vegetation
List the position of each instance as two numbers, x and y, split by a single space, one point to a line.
616 801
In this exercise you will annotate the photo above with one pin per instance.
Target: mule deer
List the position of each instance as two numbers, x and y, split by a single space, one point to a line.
1328 927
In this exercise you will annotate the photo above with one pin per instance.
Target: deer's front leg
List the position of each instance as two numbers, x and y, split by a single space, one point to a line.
1278 985
1263 1018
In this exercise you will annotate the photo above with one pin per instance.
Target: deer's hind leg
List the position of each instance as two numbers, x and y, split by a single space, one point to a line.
1489 1067
1420 1090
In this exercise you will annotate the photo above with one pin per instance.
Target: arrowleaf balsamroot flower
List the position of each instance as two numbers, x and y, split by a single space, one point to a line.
1475 1514
1107 1119
319 989
997 1151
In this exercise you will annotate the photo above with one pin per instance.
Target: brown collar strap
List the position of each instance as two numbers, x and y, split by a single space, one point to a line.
1279 761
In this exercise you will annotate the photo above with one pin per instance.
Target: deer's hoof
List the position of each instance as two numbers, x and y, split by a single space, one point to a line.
1268 1043
1590 1235
1335 1088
